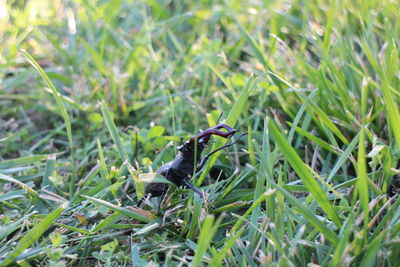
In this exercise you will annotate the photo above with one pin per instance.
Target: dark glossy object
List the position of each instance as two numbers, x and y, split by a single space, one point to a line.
181 169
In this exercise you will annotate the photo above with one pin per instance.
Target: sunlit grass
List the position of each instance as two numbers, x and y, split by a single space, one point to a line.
96 95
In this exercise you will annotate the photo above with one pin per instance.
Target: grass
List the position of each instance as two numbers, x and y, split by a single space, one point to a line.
96 95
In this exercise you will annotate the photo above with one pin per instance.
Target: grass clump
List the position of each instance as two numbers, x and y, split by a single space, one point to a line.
96 95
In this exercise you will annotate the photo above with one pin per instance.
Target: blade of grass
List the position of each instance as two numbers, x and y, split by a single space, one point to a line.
344 241
21 184
34 234
343 158
261 185
172 106
219 257
139 184
260 54
362 178
315 139
362 181
103 165
231 121
372 250
74 229
249 210
5 231
195 213
50 166
324 119
299 166
10 163
384 221
107 222
392 111
64 114
121 210
208 229
309 215
113 131
250 146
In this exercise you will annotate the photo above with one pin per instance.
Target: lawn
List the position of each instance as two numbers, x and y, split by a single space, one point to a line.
96 95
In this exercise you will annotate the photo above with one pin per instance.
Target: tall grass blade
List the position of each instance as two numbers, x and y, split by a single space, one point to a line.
113 131
309 215
231 120
64 114
208 229
301 169
221 254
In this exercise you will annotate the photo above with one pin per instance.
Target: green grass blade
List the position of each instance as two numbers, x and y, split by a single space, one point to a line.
231 120
103 165
260 54
343 158
344 241
384 221
315 139
238 108
74 229
255 204
309 215
5 231
34 234
64 114
113 131
393 112
324 119
21 184
139 184
362 178
250 146
10 163
219 257
372 250
223 79
301 169
362 181
153 177
97 58
261 185
208 229
50 166
121 210
107 222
